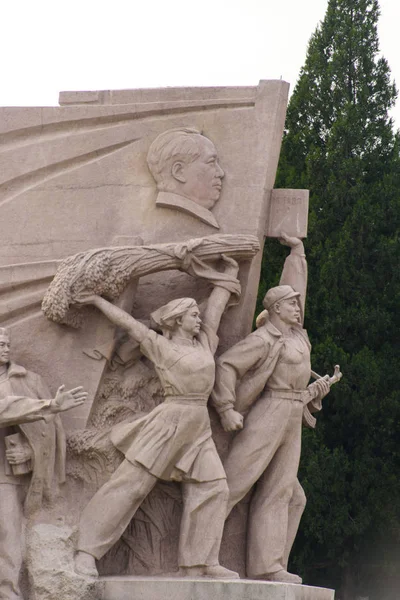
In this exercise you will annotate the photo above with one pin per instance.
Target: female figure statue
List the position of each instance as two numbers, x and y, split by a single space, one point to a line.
173 442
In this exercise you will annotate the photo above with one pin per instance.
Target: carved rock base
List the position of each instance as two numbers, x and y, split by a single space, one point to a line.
163 588
50 551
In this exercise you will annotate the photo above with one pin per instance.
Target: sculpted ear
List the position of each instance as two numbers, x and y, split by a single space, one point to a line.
177 171
277 307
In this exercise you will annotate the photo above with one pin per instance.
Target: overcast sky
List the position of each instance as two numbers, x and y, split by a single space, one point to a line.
50 46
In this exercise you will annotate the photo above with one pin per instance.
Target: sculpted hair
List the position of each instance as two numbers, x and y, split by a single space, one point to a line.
164 318
262 318
181 144
5 332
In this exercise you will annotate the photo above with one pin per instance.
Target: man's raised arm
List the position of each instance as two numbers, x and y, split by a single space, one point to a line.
294 272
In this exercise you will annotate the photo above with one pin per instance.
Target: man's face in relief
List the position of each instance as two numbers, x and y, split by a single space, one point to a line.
289 311
4 349
201 179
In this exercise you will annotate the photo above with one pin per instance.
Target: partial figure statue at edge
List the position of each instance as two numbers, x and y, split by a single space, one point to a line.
32 447
173 442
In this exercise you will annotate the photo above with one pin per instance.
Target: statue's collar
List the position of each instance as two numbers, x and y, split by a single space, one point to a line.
183 204
15 370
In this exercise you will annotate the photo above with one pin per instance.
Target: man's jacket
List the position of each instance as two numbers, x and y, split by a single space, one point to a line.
45 437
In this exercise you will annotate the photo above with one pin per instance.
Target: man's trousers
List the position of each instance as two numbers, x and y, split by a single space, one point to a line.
11 542
266 453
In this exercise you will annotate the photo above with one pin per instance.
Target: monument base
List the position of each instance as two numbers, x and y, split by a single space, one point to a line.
175 588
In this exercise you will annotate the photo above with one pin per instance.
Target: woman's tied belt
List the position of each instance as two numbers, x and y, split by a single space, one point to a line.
196 399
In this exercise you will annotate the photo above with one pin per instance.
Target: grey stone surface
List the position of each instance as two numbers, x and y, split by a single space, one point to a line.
75 177
145 588
89 175
288 212
50 554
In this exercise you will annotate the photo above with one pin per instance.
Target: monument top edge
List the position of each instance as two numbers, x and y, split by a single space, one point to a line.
157 94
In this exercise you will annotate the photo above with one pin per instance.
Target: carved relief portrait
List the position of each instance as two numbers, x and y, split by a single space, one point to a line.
184 164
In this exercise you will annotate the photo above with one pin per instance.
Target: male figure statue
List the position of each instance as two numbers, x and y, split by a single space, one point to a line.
184 164
34 460
269 372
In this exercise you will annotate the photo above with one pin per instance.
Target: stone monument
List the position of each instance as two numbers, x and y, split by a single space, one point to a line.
131 240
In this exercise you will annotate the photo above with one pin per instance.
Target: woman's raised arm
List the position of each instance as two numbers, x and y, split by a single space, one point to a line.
119 317
219 297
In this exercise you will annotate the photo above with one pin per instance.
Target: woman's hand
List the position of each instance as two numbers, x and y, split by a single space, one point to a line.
231 266
86 298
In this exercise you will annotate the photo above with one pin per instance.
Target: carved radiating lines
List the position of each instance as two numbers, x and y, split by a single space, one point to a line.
12 276
22 289
13 187
22 286
73 129
50 131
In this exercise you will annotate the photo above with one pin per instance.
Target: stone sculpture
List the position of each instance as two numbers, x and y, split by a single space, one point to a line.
173 442
85 163
32 454
184 164
267 375
136 177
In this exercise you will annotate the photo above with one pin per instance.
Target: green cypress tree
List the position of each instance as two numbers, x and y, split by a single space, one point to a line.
340 144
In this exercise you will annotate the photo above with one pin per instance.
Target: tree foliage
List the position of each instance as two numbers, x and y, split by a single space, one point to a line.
340 144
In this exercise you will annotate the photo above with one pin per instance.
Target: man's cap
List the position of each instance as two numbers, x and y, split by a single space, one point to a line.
280 292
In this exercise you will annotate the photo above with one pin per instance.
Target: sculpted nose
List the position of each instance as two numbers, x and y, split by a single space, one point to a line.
220 171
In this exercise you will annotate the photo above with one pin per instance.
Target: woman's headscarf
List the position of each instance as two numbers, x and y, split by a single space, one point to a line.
165 317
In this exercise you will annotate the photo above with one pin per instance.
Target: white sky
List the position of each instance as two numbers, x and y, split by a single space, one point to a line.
49 46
